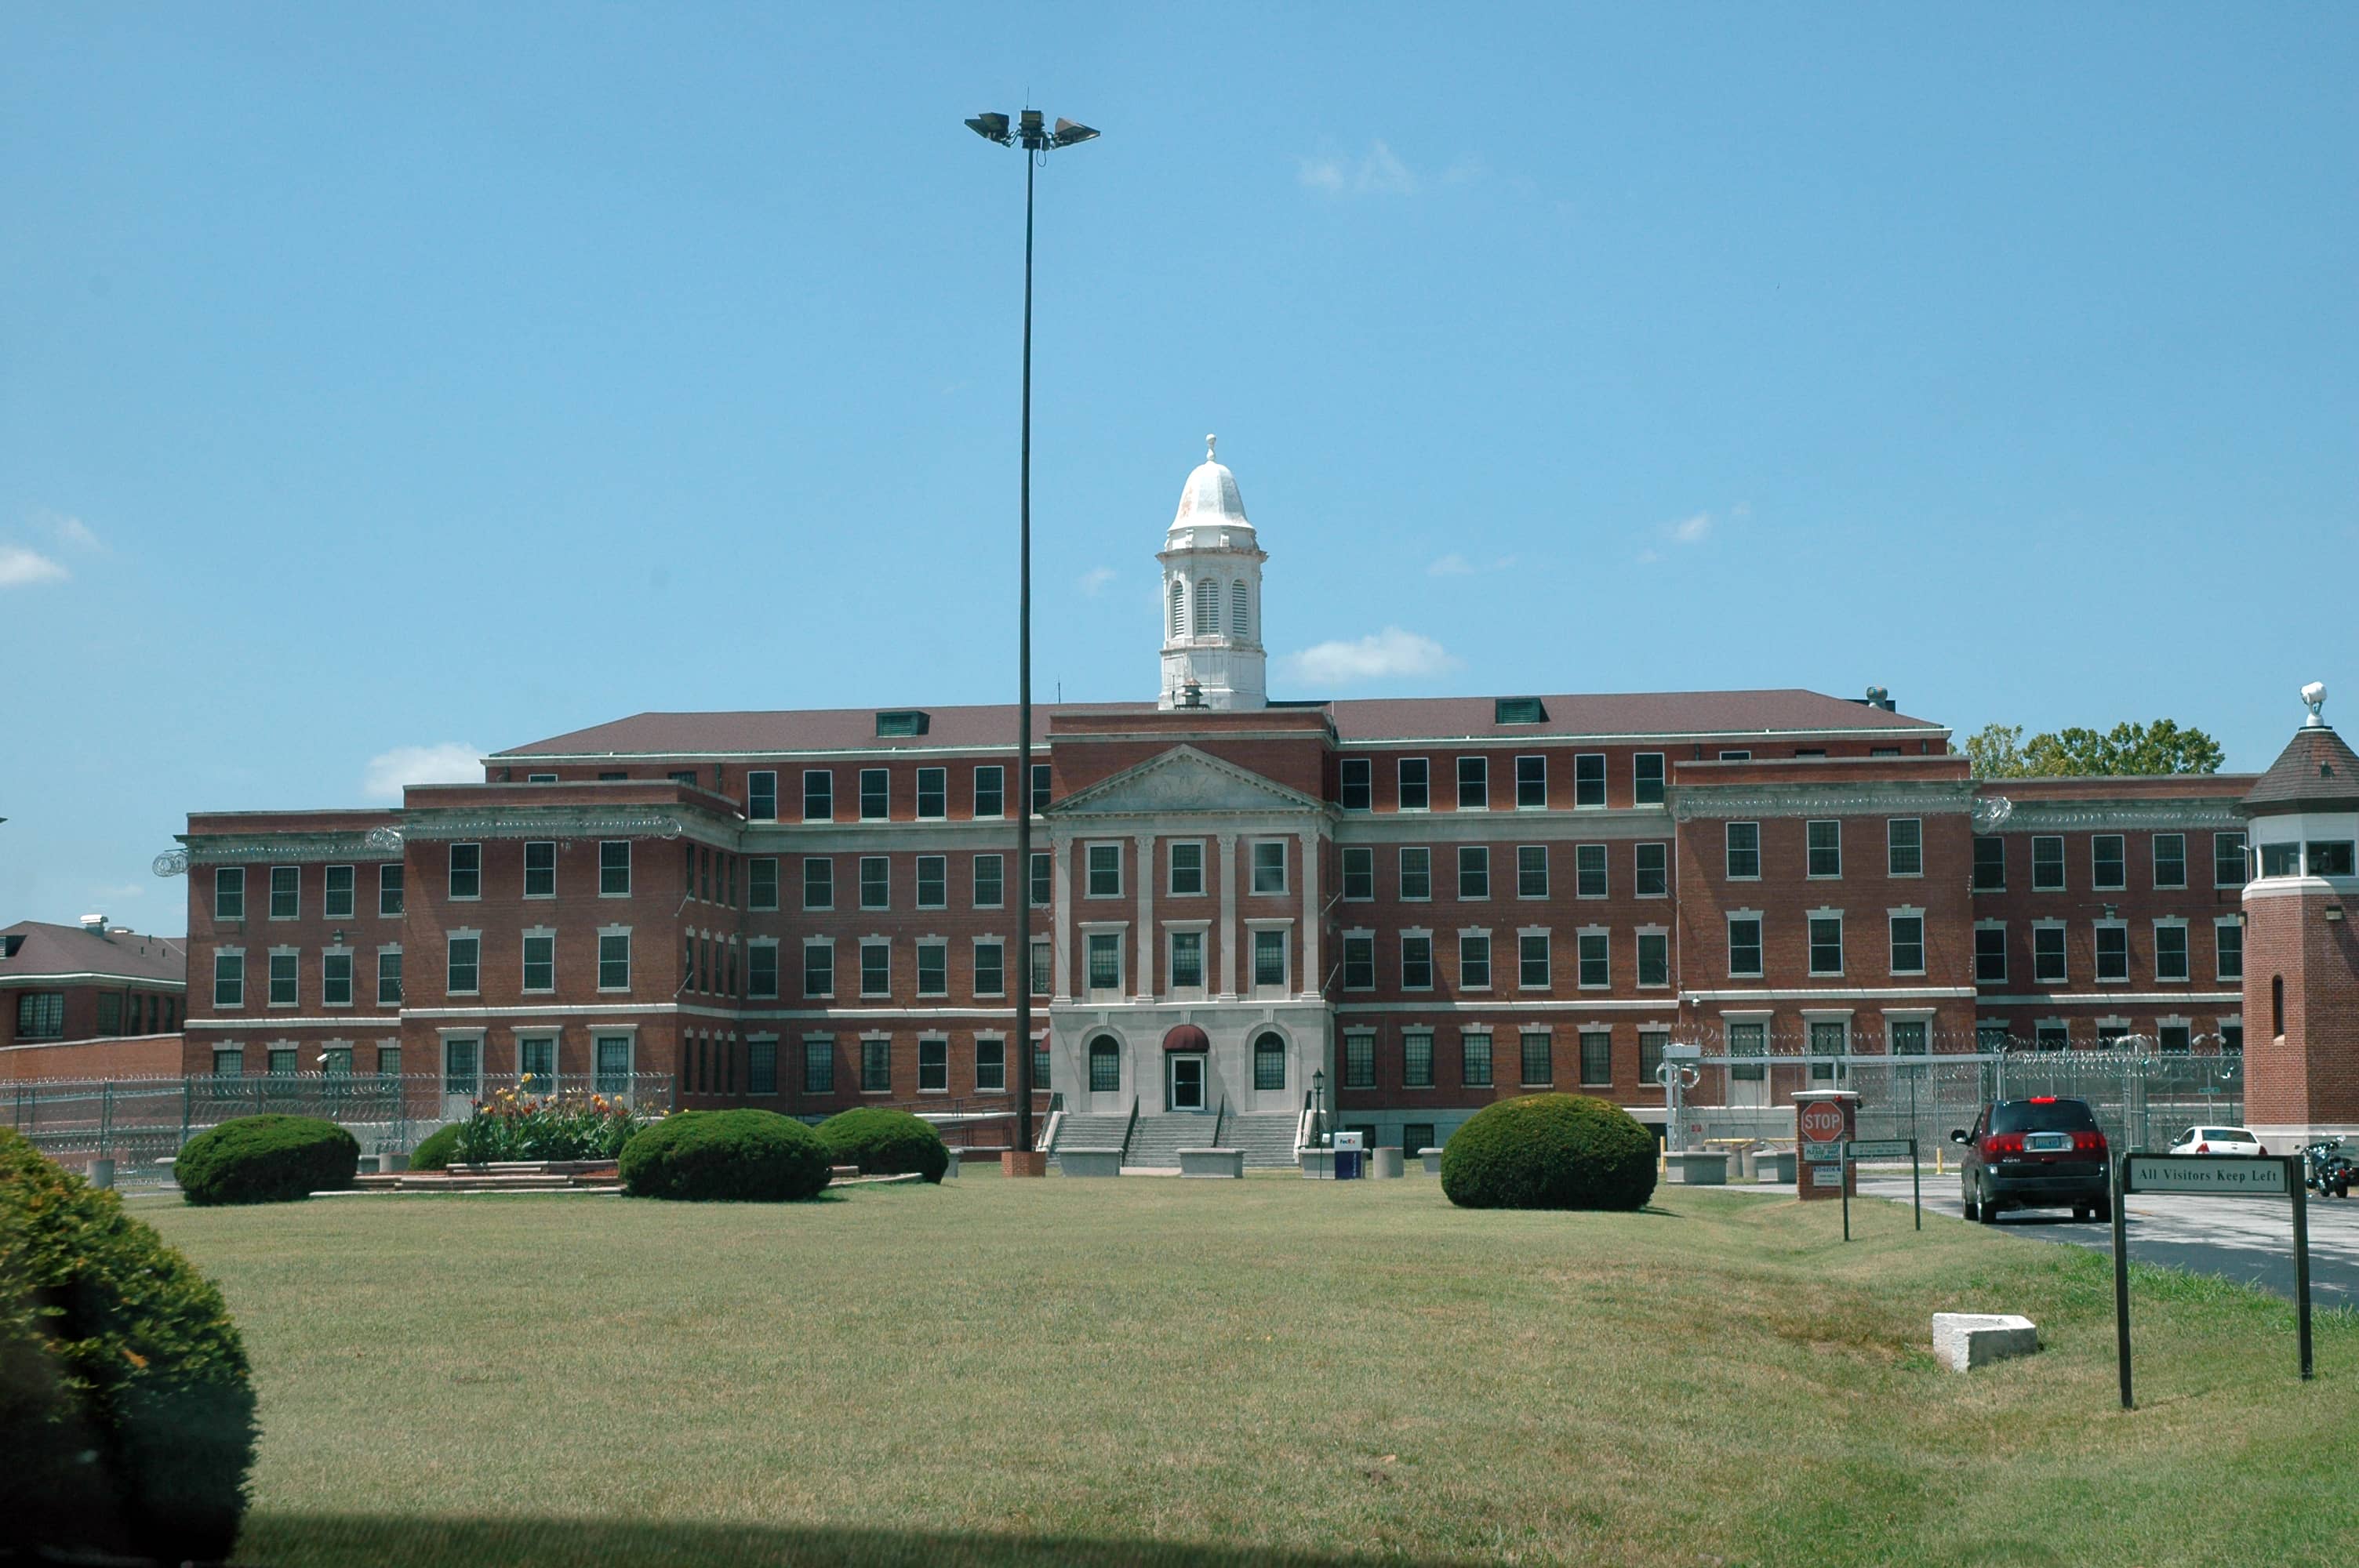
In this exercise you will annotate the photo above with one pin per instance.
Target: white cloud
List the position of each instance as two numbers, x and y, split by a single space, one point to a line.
1689 530
70 530
20 567
452 762
1391 653
1456 565
1093 580
1379 172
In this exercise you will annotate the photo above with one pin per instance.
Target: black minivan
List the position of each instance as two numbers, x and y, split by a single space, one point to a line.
2042 1153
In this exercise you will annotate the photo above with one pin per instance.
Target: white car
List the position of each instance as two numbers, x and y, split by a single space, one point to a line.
2217 1141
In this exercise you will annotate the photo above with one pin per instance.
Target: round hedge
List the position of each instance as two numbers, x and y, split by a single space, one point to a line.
725 1156
126 1408
886 1142
436 1149
1550 1152
266 1159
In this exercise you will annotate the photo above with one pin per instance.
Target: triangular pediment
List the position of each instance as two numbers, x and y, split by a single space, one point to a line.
1183 779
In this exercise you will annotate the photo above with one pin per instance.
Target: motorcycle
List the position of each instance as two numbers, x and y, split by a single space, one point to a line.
2327 1170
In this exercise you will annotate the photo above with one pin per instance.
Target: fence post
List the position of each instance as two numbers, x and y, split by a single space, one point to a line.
105 1116
188 1097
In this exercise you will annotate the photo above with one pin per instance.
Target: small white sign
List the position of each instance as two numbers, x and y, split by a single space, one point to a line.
2215 1175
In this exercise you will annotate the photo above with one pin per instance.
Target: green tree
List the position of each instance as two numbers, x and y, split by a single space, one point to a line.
1999 751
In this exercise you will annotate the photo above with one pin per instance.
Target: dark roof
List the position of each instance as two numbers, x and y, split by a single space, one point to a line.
2316 771
1635 714
70 950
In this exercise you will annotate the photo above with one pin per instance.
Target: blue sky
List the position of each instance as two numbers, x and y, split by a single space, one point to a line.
379 380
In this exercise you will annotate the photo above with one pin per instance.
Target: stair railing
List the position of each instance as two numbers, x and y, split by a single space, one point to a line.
1219 1117
1130 1127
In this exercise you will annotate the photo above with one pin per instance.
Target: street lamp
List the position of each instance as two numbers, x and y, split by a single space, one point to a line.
1036 141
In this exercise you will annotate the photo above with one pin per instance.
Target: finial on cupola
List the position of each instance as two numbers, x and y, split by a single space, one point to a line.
1211 442
2313 697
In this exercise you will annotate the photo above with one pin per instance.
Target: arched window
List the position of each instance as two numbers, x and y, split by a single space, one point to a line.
1178 608
1269 1062
1240 611
1208 608
1105 1065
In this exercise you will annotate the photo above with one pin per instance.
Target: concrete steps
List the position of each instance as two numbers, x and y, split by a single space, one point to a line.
1265 1139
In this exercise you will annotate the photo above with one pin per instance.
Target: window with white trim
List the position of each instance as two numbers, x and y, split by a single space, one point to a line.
1908 929
1594 952
876 794
1589 870
990 1064
1474 1055
1653 878
933 793
1354 781
2048 862
1104 863
762 970
2048 962
613 960
1533 970
1417 1058
1825 849
990 967
2227 860
1743 843
1359 961
933 1065
1654 959
1270 958
1588 779
1186 961
615 868
1360 1059
540 960
1416 873
283 977
1473 872
819 1064
337 903
1538 1058
286 891
1105 953
990 882
2108 862
1359 873
1647 778
1269 866
2228 948
819 881
2113 952
462 965
1473 961
875 881
2170 859
875 969
933 881
876 1066
388 977
1416 777
819 794
229 892
2170 950
1417 961
1904 846
1990 953
819 968
1826 944
933 969
336 977
1531 784
1531 870
1473 783
762 796
540 869
1596 1058
1187 862
991 790
1744 947
466 875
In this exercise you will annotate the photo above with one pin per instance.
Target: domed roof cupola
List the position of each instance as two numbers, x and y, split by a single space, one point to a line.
1211 498
1213 654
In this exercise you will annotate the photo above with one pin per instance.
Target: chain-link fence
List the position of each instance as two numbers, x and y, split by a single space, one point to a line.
2142 1098
141 1123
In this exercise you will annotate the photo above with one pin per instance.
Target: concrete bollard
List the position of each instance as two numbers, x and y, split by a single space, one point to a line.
1964 1340
102 1172
392 1162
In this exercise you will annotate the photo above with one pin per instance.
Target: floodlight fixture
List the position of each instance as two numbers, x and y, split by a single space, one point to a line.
991 128
1069 132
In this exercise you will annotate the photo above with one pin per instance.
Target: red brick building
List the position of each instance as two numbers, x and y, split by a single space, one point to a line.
97 999
1421 905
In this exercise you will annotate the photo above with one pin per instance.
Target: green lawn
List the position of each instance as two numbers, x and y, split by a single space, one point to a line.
1221 1373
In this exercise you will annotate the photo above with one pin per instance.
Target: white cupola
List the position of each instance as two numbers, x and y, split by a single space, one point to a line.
1213 654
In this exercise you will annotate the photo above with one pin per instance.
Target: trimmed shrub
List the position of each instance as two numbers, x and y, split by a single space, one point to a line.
126 1409
266 1159
886 1142
435 1150
725 1156
1550 1152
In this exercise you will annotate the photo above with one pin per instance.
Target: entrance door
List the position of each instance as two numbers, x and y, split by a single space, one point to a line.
1748 1085
1187 1081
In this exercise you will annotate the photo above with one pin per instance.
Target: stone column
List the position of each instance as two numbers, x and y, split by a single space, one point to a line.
1144 989
1228 992
1308 982
1060 890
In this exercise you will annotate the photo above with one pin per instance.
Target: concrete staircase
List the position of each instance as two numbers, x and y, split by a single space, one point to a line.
1156 1145
1266 1139
1090 1132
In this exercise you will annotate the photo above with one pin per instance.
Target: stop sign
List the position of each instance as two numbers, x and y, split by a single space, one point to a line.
1823 1122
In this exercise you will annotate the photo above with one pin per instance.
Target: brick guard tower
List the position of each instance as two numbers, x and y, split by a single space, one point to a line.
2301 954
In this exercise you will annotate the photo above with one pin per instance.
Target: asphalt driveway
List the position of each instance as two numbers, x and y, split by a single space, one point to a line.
2249 1239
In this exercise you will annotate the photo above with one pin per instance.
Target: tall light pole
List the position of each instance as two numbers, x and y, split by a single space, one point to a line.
1037 140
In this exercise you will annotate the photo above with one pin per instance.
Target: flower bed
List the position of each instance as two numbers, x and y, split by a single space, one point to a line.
515 1124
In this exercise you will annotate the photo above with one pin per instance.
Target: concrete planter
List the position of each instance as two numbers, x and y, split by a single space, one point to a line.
1385 1162
1226 1162
951 1171
1431 1160
1318 1165
1698 1169
1772 1164
1090 1162
392 1163
102 1172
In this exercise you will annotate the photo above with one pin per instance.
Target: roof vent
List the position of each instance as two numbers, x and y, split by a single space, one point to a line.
10 942
1519 710
901 721
1877 697
95 924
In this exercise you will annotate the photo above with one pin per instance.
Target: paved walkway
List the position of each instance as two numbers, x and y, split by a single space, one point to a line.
2246 1239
